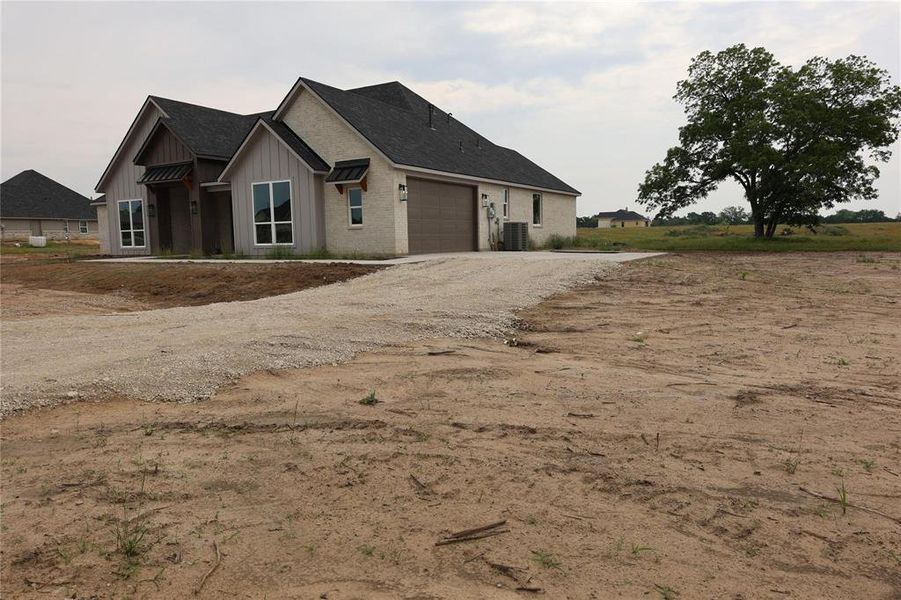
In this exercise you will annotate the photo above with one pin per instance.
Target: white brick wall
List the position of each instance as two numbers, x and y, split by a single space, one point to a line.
384 229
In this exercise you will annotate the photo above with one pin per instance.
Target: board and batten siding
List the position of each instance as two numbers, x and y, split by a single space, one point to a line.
166 149
265 158
122 184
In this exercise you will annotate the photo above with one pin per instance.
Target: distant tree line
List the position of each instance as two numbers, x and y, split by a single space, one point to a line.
736 215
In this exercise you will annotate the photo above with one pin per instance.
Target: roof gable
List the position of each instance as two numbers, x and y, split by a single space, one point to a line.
284 135
207 132
31 195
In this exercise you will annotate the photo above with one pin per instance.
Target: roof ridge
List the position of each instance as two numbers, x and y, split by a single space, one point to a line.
195 105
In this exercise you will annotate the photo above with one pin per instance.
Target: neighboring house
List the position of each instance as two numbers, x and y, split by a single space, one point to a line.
373 170
622 218
33 204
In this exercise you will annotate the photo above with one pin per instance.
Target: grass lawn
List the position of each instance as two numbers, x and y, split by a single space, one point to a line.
879 237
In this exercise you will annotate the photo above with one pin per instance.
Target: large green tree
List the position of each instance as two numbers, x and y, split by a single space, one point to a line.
797 140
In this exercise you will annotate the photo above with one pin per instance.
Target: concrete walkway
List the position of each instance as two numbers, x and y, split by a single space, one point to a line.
603 257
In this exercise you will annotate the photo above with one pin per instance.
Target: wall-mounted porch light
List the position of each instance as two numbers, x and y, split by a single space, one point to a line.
402 189
484 200
193 207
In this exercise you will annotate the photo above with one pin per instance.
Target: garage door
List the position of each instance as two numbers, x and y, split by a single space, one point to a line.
441 217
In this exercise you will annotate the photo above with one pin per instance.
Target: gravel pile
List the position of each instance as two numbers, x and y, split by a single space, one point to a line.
186 353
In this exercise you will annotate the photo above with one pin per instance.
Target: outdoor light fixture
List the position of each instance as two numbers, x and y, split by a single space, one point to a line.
151 210
485 200
193 207
402 188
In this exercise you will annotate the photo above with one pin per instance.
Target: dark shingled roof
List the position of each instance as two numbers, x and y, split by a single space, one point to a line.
298 145
622 215
208 132
30 195
396 121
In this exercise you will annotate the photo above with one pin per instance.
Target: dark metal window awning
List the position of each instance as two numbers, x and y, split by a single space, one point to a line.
349 172
179 173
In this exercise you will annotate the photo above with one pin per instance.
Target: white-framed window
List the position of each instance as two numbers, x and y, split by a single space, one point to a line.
505 204
355 207
65 227
537 209
272 221
82 227
131 223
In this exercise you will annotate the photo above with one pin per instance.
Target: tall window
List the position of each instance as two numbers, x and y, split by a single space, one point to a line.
65 227
131 223
272 223
82 227
536 209
355 207
505 204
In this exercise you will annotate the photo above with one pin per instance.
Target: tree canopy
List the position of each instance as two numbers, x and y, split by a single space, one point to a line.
796 140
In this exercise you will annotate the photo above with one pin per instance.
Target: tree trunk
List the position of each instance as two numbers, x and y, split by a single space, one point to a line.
758 225
771 227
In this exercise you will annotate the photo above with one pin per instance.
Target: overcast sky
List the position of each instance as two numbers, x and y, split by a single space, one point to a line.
584 90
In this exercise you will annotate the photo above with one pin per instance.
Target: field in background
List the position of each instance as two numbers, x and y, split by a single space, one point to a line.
854 237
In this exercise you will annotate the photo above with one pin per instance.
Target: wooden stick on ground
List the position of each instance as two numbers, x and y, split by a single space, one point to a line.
857 506
468 532
213 568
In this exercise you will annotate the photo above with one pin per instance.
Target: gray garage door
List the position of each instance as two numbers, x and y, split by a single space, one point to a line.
441 217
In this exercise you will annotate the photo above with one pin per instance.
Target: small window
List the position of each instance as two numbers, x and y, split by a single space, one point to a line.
131 223
355 207
272 222
536 210
65 227
82 227
505 205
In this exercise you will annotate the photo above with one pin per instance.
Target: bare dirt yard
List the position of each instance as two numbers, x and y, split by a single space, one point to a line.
93 287
698 426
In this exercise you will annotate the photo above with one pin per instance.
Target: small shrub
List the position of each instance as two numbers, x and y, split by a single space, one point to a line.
369 400
366 550
843 497
545 560
558 242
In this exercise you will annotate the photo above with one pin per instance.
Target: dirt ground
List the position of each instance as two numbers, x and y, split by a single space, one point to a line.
661 434
90 287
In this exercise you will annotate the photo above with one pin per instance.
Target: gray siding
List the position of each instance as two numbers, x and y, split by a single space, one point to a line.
265 158
165 149
122 183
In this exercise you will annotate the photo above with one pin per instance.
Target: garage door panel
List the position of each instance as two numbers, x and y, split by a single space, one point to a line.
440 217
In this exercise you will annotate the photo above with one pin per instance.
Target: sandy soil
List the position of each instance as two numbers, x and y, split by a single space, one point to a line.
648 436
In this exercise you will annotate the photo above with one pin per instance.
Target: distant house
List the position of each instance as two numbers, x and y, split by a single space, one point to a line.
621 218
33 204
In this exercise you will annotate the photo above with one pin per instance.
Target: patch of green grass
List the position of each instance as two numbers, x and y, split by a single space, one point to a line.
53 249
637 549
843 497
369 400
868 465
366 550
666 592
852 237
545 559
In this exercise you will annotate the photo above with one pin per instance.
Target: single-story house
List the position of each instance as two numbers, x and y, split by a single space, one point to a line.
622 218
374 170
34 204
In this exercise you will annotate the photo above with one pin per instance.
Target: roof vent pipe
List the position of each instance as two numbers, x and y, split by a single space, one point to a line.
431 111
449 115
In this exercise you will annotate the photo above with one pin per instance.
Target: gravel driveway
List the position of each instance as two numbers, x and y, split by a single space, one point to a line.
186 353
